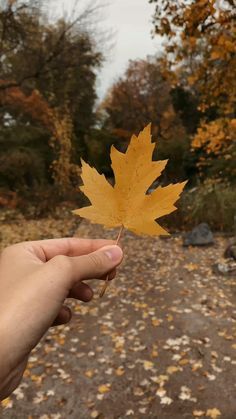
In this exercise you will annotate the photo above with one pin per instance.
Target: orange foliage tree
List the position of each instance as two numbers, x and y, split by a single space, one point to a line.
57 57
56 121
140 96
200 37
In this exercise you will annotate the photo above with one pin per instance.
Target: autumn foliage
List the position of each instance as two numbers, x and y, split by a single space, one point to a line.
48 114
146 96
58 124
33 104
200 40
47 90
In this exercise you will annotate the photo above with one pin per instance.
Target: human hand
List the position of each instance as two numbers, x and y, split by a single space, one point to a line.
35 279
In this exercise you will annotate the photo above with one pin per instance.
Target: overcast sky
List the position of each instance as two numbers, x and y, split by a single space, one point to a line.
130 20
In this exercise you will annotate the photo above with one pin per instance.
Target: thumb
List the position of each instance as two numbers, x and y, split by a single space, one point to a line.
96 264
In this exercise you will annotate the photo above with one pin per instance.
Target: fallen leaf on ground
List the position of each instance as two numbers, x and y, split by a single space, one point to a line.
104 388
120 371
148 365
89 373
6 403
213 413
172 369
198 413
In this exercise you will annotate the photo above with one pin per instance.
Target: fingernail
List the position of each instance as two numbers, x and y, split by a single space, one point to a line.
114 253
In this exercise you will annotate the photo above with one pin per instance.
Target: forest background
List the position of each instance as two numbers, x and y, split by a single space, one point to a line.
50 116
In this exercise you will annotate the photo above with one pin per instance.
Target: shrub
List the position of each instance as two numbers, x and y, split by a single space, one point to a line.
213 203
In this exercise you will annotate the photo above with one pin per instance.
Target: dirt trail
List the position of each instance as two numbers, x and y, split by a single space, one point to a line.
161 344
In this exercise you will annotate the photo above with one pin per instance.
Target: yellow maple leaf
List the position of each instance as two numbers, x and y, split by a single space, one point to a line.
127 203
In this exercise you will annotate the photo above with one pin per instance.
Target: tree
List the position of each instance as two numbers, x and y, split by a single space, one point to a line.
200 49
202 32
59 59
216 145
57 123
141 96
48 74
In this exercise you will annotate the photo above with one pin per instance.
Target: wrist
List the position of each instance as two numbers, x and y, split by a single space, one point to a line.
11 369
11 372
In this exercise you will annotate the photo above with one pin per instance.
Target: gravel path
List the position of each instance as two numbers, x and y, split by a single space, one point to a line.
161 343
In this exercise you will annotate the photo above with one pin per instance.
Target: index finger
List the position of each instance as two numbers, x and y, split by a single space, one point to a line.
70 246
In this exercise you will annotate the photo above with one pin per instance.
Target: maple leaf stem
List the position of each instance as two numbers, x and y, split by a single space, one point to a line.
119 235
105 285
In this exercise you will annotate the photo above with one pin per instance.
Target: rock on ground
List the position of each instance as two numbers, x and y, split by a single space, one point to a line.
201 235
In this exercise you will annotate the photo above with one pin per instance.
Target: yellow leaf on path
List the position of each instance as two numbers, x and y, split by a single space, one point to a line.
154 353
160 379
156 322
36 378
89 373
120 371
191 266
148 365
198 413
127 203
184 361
170 318
172 369
213 413
196 365
138 391
6 403
104 388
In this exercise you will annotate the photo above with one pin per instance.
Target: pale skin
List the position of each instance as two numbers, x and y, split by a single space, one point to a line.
35 280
